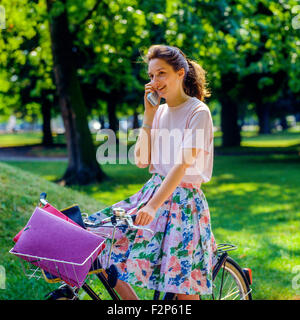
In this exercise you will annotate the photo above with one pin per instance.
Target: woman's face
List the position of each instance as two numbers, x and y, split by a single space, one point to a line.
165 81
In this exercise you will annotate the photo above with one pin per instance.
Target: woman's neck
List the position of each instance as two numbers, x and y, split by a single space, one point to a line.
176 101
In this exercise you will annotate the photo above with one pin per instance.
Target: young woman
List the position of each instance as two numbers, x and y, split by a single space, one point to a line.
179 256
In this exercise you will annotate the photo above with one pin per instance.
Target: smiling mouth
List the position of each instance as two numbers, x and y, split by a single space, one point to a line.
162 88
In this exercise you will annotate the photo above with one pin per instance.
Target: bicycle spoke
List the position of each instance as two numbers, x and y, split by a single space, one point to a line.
221 287
231 294
223 284
234 286
229 283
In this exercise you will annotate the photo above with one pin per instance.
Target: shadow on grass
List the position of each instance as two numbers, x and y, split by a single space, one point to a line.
272 270
253 196
278 159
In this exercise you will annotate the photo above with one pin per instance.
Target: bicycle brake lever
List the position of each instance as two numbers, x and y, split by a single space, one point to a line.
92 224
142 228
107 223
129 221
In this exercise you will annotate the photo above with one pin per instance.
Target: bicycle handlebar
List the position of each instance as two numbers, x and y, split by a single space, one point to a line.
43 197
118 219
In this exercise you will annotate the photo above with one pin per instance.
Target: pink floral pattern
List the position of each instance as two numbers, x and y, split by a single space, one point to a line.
179 256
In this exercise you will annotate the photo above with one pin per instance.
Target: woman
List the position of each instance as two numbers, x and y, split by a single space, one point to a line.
179 256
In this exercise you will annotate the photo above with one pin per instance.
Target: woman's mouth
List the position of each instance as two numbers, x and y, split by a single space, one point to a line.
159 90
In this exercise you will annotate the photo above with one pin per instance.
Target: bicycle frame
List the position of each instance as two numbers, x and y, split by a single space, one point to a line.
108 288
167 295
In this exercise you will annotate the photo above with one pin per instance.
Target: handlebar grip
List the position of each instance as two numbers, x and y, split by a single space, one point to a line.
43 196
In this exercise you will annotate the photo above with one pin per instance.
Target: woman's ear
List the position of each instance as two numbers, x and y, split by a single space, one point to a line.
181 73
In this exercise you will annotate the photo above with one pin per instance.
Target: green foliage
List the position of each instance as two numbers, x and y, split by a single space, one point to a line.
26 64
257 41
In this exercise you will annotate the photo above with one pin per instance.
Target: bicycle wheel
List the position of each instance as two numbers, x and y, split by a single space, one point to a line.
230 283
64 292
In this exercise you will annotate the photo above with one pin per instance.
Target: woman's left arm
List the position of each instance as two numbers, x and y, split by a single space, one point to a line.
146 214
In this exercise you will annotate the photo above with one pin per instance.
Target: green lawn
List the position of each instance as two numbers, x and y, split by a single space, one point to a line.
20 139
254 203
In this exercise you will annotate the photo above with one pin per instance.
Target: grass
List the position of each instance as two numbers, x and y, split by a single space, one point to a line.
20 139
16 139
254 203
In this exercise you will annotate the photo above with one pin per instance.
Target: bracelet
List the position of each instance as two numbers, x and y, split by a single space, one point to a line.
144 125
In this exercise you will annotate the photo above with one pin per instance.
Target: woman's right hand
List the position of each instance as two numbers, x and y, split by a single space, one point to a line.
150 110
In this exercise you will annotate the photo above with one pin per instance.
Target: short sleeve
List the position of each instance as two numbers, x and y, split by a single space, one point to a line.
199 131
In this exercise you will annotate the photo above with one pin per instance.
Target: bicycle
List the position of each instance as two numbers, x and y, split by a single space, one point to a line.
230 281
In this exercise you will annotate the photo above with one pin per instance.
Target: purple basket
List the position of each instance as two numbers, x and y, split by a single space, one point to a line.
58 247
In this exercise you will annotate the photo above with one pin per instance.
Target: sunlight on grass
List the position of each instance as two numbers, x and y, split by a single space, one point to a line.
271 143
279 139
20 139
118 193
237 188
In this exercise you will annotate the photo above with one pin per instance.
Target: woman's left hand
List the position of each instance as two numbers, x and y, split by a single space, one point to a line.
145 215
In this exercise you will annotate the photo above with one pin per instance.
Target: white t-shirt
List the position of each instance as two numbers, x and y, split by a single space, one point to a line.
188 125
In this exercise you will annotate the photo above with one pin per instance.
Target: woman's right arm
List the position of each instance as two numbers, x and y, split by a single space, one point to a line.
142 150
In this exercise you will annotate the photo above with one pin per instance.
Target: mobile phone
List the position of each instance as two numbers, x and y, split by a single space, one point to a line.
153 98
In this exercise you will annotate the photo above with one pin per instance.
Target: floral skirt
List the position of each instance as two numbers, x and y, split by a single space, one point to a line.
179 256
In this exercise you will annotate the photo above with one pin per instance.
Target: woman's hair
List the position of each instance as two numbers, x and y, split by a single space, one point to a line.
194 83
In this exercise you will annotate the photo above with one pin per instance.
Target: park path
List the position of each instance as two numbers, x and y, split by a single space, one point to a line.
24 153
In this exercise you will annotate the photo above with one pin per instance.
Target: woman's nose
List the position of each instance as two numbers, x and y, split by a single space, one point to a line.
155 82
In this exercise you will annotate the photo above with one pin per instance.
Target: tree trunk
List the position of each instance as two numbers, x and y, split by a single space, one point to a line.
284 123
102 121
229 123
82 167
112 118
47 133
135 123
111 111
229 112
263 114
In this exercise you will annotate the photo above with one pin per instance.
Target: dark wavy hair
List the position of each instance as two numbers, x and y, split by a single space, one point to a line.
194 83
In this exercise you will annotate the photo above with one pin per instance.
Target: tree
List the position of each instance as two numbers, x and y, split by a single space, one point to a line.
82 166
26 65
107 50
252 51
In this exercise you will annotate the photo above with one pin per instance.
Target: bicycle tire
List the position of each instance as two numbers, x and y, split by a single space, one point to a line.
62 293
231 283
